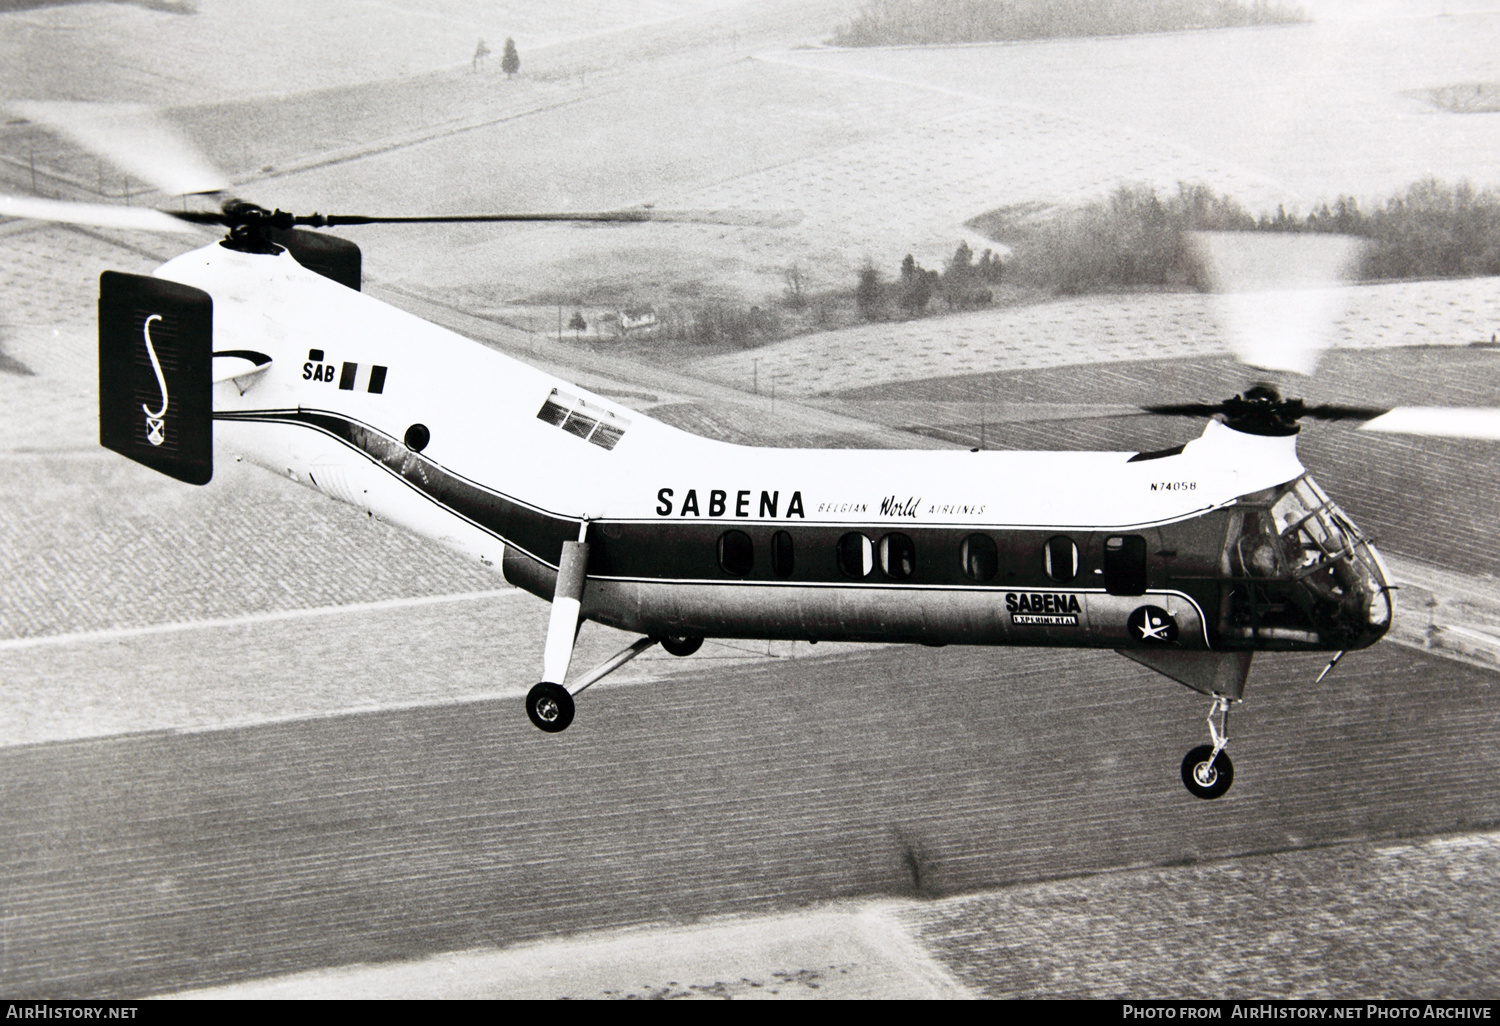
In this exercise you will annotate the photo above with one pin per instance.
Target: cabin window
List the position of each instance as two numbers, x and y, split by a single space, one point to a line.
898 557
1060 557
980 558
1125 564
782 560
856 555
736 553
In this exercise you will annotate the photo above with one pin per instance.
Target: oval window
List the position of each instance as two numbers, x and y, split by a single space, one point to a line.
736 553
980 557
782 560
856 555
1061 558
898 557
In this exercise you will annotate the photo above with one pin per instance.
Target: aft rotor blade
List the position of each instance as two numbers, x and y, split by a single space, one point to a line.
633 215
133 137
97 214
1439 421
1277 296
1186 409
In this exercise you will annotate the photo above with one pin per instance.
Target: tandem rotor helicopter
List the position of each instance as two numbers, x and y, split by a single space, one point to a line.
1188 560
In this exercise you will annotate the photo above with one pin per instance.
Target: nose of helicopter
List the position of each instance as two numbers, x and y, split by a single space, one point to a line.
1337 568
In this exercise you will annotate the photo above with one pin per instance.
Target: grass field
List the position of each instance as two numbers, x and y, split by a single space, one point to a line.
165 57
164 860
1322 108
1294 925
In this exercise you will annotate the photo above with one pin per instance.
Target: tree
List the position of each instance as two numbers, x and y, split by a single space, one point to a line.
867 293
917 285
578 323
796 286
990 268
480 53
510 61
958 276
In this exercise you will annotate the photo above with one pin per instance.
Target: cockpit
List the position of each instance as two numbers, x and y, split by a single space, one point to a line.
1300 574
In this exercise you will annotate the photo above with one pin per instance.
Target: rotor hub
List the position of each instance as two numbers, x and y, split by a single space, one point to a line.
1261 411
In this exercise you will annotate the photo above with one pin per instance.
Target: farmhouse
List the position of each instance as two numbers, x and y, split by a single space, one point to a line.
637 317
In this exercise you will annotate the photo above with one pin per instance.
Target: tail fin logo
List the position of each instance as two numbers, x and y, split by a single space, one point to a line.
155 422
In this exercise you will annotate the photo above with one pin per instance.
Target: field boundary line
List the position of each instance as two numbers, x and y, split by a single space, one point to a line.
115 633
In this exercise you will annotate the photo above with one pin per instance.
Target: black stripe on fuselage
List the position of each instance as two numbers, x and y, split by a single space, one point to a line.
686 551
523 527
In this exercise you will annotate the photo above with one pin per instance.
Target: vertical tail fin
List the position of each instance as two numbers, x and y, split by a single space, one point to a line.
155 368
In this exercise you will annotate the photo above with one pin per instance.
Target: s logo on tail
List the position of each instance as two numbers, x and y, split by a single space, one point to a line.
155 422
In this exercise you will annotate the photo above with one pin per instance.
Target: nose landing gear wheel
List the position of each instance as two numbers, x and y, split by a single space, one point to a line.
550 707
1205 779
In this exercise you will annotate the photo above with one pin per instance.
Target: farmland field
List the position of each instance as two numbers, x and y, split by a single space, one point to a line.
1322 109
1094 329
164 860
1221 930
178 56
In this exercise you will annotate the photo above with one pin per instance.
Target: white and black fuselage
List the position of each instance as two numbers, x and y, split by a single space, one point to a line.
694 537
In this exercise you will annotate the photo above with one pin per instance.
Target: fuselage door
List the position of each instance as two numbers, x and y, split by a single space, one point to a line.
1125 564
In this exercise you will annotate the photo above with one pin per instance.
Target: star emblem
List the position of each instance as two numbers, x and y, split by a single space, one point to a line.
1152 625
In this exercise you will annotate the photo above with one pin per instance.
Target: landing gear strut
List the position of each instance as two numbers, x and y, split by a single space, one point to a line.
550 706
1206 770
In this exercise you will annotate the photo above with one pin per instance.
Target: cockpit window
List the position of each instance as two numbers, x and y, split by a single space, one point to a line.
579 417
1308 574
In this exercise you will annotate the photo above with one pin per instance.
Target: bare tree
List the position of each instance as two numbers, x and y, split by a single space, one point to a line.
796 286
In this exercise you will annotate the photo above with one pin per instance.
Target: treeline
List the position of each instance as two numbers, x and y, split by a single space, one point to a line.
1138 239
720 325
895 22
965 282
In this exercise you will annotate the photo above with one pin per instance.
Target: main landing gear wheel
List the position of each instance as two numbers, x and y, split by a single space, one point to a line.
1206 776
550 707
682 646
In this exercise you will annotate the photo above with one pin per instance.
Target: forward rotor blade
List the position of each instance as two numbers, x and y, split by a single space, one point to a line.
633 215
1439 421
1294 409
132 136
1332 411
899 412
97 214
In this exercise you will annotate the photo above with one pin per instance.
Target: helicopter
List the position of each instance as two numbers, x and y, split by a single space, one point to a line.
1187 560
